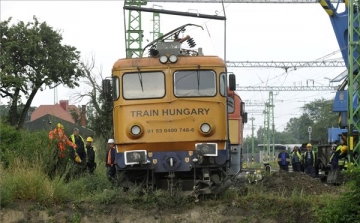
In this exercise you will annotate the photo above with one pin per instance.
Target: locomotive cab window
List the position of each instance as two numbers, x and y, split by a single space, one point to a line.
194 83
115 88
231 105
223 89
140 85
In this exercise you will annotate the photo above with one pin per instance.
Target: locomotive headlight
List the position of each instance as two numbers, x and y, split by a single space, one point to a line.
135 130
163 59
173 58
205 128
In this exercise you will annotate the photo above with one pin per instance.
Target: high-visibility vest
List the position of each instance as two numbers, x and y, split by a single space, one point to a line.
313 157
74 141
109 157
341 162
297 153
332 156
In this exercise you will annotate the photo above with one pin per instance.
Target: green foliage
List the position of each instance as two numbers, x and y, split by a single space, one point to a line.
32 57
76 218
270 205
317 114
298 127
31 170
4 112
25 182
101 148
320 112
76 116
9 138
346 207
87 185
16 144
101 119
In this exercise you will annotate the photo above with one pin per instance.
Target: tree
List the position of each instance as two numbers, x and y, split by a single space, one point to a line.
285 138
103 121
100 106
32 57
322 116
318 114
76 115
298 128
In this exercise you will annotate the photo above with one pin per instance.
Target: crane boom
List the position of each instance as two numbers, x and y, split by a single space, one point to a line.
346 28
243 1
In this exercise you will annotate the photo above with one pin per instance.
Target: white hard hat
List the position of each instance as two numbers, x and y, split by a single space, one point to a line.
111 141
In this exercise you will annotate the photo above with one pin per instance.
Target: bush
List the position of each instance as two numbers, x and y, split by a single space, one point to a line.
26 182
22 144
31 170
9 137
88 185
345 208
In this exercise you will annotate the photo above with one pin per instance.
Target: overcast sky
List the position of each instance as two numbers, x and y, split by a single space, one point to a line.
255 32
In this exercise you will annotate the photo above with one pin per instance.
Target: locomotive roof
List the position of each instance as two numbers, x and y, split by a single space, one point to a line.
203 61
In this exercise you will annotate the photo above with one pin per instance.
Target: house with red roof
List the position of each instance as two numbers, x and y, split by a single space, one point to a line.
45 117
61 110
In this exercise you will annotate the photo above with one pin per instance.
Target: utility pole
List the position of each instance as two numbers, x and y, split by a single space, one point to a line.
266 130
134 32
252 140
272 123
156 24
55 95
247 153
269 124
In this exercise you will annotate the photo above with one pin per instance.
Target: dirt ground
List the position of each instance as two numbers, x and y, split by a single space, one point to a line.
210 211
287 182
124 214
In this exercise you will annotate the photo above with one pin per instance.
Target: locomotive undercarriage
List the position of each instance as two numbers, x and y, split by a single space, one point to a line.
198 181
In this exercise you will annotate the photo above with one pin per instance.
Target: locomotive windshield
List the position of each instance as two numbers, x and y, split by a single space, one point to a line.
194 83
141 85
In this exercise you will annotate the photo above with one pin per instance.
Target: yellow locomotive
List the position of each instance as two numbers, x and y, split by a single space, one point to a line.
171 118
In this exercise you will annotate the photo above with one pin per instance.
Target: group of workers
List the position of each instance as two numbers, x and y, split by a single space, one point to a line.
81 152
306 161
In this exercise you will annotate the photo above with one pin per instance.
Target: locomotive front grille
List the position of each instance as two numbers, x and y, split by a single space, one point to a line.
206 149
135 157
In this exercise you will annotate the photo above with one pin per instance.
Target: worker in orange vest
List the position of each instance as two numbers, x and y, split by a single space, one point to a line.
110 161
62 140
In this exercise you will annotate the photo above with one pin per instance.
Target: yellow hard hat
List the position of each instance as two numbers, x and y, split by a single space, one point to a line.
89 139
60 126
308 145
344 149
77 159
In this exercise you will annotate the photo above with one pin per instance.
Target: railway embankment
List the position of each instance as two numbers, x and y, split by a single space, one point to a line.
279 197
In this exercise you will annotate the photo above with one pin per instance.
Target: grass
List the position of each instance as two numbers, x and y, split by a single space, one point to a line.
26 174
273 205
25 180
